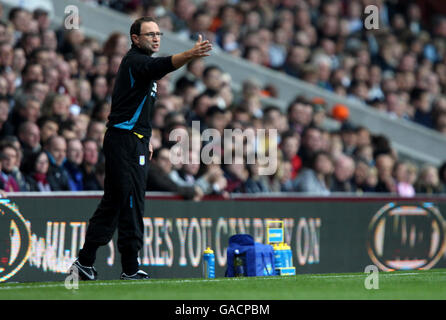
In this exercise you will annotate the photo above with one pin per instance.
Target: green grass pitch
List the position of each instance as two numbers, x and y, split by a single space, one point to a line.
430 285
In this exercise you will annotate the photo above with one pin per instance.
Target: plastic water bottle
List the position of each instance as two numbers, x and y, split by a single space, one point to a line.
289 256
277 256
209 264
239 264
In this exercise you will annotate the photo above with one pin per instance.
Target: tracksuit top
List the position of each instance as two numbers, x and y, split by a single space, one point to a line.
134 92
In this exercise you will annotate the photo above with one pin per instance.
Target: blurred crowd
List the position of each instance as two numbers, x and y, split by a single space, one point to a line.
56 85
399 68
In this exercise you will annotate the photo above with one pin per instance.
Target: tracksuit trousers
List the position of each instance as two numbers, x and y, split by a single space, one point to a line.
122 205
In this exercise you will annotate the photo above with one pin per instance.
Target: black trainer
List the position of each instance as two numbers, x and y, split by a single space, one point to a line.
84 272
140 275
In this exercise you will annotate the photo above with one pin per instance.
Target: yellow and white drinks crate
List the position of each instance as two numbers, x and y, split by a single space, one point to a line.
283 256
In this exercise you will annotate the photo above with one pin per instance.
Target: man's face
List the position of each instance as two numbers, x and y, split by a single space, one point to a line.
313 140
96 132
163 161
58 150
49 129
75 151
213 79
34 73
32 111
4 110
10 160
344 169
147 40
31 136
90 153
290 147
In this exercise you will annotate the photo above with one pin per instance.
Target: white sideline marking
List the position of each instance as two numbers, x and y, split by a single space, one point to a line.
126 282
148 282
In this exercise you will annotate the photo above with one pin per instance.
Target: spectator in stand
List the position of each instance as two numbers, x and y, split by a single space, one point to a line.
200 105
401 174
9 158
211 182
42 18
290 144
313 179
48 127
29 137
300 114
89 163
361 178
215 119
385 164
96 131
6 128
255 183
158 177
75 156
349 138
236 174
100 88
428 181
84 96
101 111
423 111
26 110
37 173
56 149
311 144
344 169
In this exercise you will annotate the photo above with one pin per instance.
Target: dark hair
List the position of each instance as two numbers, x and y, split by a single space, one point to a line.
50 140
33 55
29 65
199 12
157 151
381 145
289 134
416 94
13 12
98 107
66 125
182 84
42 120
7 144
307 129
29 164
197 100
271 108
209 69
248 51
23 127
298 100
39 12
136 26
315 157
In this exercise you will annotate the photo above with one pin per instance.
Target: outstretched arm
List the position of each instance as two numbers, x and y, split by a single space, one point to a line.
200 49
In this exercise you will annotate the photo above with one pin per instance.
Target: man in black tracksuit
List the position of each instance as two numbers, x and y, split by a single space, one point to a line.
127 149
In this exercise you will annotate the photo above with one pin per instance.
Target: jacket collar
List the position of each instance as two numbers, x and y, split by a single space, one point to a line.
134 48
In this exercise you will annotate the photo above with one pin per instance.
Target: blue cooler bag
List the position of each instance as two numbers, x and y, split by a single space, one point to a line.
258 258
